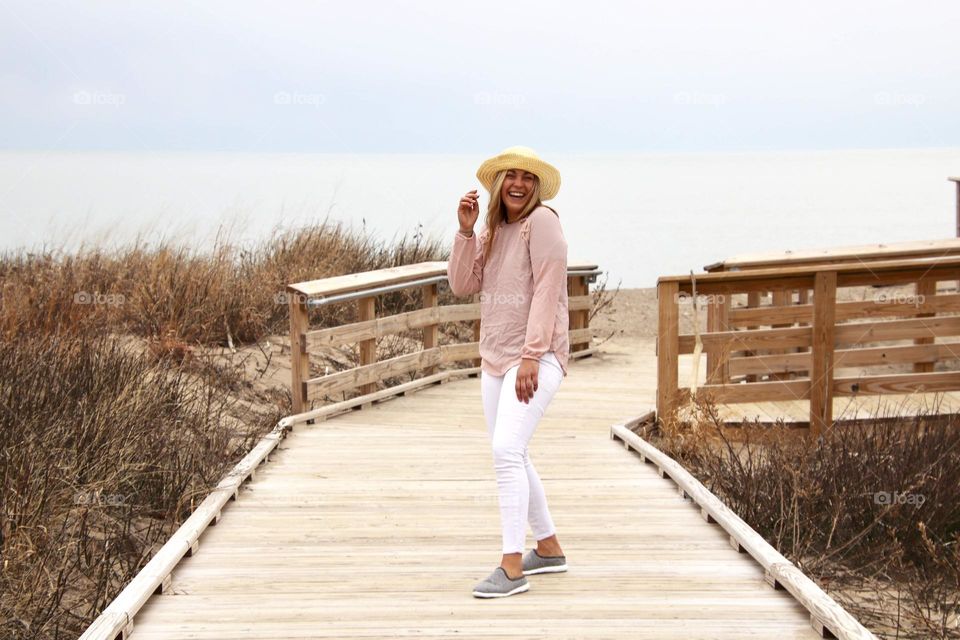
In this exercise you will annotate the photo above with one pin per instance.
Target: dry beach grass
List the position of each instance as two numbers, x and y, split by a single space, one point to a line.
132 379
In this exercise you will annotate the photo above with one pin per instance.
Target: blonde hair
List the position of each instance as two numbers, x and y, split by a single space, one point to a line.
497 210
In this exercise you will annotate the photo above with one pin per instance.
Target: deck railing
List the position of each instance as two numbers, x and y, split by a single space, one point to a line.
362 289
791 348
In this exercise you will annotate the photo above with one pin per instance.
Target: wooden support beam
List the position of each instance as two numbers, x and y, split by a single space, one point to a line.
821 369
580 319
366 310
753 301
668 347
476 331
926 288
718 356
299 360
431 331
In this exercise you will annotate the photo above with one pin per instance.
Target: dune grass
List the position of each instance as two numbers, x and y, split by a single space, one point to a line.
109 431
871 512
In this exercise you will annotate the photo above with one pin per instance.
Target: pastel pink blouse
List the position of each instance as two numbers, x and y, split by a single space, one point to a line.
522 286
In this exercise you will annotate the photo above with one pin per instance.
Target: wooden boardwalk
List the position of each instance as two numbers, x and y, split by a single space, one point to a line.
378 522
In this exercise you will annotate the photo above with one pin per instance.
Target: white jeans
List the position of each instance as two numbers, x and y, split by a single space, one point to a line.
510 425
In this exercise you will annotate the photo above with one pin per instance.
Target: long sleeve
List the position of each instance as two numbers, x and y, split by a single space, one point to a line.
548 260
465 267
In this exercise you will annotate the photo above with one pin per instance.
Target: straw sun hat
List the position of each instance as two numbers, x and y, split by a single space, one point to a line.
521 158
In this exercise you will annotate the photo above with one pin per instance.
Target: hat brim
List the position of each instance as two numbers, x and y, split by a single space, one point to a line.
548 174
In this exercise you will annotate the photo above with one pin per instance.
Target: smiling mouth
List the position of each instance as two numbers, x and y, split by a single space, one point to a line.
517 195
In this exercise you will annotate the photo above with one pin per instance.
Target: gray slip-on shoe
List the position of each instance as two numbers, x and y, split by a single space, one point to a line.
498 584
533 563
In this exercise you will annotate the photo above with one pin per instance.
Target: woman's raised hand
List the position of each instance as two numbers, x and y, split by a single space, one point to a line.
469 211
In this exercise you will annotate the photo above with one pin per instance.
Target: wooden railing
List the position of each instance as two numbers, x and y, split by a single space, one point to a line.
791 349
956 181
362 289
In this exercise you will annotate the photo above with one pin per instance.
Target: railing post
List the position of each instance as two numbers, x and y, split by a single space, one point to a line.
668 347
718 356
476 331
580 319
299 359
957 182
753 301
925 288
821 368
366 310
430 332
780 298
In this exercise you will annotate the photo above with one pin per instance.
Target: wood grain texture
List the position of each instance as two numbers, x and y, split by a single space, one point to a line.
377 523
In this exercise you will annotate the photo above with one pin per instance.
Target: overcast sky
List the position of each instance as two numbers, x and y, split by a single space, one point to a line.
387 76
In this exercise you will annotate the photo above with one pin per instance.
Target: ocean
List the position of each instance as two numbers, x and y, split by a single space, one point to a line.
637 216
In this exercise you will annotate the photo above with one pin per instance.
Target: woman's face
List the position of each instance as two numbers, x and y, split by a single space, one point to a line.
517 190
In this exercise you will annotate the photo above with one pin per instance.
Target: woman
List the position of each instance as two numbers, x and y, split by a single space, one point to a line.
518 264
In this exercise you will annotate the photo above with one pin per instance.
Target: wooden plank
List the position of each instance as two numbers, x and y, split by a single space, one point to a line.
336 520
407 321
925 288
430 332
778 570
477 362
380 327
368 374
863 357
400 389
844 334
898 383
947 303
577 287
580 302
299 360
821 364
771 277
841 254
117 617
354 282
749 339
668 327
753 391
781 299
368 279
880 330
753 302
366 311
718 356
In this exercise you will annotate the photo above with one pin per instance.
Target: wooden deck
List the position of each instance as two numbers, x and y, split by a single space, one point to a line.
377 523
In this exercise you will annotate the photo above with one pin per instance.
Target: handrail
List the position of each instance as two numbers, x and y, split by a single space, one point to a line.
957 181
826 614
794 345
863 267
363 288
316 302
851 253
